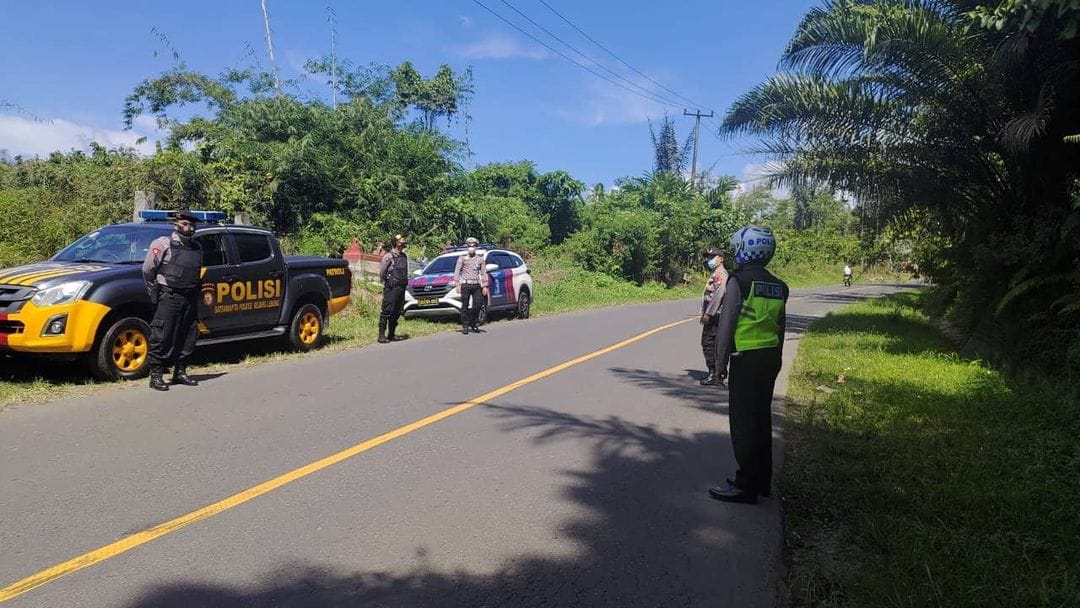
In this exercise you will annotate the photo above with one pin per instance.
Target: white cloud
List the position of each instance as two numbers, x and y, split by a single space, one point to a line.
756 174
465 21
29 138
605 103
498 45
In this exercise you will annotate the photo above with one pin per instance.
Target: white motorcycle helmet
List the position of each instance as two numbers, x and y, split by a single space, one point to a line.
753 244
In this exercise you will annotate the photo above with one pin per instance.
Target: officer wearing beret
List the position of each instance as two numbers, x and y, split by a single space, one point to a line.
172 271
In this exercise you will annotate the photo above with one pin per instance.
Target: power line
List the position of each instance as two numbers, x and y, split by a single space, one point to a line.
570 59
673 102
620 59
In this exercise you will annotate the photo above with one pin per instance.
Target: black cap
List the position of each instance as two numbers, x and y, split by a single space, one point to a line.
184 214
712 252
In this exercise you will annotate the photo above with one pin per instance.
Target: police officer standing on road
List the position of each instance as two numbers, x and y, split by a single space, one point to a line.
751 333
172 271
710 308
394 274
470 277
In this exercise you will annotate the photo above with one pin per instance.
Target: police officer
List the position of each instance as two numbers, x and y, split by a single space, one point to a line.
710 307
394 274
751 334
171 271
470 277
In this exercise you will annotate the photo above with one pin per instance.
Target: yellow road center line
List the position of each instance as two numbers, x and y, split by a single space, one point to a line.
139 538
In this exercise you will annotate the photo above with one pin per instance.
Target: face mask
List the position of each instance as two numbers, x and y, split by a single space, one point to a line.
711 264
472 250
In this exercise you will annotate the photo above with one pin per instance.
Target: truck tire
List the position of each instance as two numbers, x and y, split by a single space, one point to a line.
306 328
123 352
524 305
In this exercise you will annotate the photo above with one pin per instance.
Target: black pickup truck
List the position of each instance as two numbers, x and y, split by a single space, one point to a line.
89 300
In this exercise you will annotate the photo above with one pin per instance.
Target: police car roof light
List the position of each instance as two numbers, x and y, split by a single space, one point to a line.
161 215
487 246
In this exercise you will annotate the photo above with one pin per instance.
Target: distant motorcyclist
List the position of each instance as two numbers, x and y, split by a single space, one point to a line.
711 300
847 275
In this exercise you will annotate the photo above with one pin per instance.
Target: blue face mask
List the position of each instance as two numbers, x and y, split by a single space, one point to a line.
712 264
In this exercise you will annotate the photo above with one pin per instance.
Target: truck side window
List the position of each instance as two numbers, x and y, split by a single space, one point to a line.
213 249
252 247
502 260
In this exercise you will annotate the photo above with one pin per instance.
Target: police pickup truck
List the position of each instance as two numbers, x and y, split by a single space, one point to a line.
89 300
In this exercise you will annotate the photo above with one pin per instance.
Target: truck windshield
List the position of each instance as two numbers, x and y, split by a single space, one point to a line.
112 245
441 265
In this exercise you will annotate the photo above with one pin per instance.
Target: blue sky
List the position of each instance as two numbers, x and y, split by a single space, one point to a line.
70 64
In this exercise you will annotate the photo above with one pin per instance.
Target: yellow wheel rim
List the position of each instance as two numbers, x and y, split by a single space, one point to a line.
310 325
129 350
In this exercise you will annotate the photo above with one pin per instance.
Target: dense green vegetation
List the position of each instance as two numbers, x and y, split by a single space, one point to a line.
954 122
917 477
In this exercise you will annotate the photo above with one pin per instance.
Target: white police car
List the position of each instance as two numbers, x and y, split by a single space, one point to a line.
510 286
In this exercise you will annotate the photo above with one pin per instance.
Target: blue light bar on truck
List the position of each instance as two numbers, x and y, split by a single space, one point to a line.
161 215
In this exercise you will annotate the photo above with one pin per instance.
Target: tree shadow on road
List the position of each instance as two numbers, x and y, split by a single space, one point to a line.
646 535
682 387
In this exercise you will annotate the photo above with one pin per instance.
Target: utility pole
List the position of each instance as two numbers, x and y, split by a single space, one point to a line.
333 54
697 139
270 46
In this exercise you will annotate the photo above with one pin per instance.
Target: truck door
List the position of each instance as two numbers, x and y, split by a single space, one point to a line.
255 295
217 269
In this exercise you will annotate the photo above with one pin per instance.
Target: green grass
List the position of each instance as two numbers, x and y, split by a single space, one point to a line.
925 479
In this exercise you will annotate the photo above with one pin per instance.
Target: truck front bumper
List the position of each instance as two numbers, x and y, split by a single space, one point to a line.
33 329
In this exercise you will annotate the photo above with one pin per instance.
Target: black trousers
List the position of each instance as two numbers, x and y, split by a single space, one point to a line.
708 342
393 300
173 330
470 303
750 391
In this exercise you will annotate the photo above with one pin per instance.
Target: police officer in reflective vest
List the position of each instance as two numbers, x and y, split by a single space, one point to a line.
172 271
394 274
711 300
751 335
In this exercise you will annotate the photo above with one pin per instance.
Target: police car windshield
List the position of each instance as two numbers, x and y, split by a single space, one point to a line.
112 245
441 265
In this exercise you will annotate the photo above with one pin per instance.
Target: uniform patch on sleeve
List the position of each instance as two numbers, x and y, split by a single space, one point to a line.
156 251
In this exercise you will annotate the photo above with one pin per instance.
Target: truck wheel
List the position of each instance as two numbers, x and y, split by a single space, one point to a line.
524 306
123 352
306 328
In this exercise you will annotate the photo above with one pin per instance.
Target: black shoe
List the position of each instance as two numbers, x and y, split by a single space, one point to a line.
383 340
157 382
180 376
731 483
398 338
464 331
708 380
726 493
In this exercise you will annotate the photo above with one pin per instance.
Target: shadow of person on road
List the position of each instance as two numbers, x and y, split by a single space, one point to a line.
645 533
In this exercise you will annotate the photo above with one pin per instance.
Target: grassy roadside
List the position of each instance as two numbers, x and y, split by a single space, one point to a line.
561 288
809 274
924 479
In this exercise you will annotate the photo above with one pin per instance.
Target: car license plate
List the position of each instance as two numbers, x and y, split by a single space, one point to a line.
428 302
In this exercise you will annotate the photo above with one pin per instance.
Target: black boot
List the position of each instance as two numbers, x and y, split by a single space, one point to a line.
180 376
393 337
156 381
382 331
709 380
465 329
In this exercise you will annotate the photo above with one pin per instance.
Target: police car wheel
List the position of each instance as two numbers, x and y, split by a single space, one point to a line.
307 328
123 351
524 307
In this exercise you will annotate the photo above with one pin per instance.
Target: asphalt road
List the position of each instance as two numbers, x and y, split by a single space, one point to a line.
585 486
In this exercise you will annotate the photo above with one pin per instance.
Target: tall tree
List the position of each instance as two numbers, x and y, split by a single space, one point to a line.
670 156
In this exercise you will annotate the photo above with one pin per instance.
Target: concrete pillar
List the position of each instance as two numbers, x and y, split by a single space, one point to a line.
144 199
